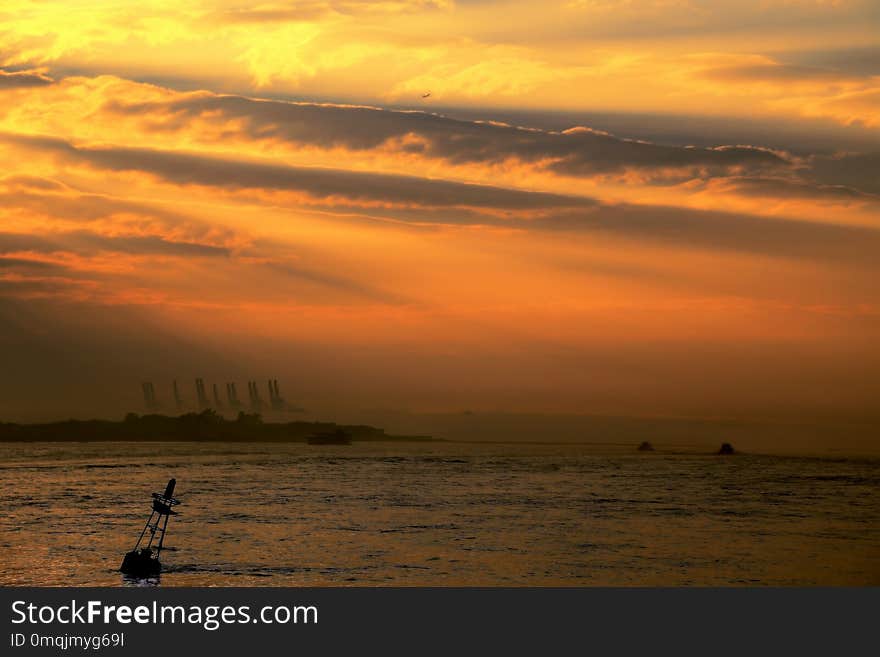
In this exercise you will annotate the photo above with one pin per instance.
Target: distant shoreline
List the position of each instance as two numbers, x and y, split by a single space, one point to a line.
207 426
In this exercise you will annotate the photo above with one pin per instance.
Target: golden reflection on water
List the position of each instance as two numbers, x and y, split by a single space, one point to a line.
439 514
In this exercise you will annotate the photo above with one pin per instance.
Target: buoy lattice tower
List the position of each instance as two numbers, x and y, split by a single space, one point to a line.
144 558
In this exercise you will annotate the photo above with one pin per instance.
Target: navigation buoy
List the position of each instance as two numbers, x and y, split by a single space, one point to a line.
144 561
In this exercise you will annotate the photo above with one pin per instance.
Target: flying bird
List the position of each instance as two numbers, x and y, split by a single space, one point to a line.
426 94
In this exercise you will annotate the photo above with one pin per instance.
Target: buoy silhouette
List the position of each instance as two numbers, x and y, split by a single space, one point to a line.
144 561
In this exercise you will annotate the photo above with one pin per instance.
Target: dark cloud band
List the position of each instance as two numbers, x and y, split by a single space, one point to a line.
418 199
577 151
23 79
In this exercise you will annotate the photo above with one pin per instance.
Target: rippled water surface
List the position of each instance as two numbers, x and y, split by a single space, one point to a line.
439 514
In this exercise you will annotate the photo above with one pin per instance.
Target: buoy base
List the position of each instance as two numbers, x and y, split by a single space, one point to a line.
140 564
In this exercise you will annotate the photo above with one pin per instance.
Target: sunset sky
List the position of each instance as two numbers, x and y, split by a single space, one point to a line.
637 207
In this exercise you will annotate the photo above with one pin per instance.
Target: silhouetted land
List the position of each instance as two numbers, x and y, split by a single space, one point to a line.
206 426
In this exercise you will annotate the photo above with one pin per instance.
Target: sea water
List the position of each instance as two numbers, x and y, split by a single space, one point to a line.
440 514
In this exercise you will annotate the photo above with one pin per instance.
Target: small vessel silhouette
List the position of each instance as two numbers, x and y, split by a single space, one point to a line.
337 437
144 561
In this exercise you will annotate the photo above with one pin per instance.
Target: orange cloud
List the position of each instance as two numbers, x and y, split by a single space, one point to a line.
411 238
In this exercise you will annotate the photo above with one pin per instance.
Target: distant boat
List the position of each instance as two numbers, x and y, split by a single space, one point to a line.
337 437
